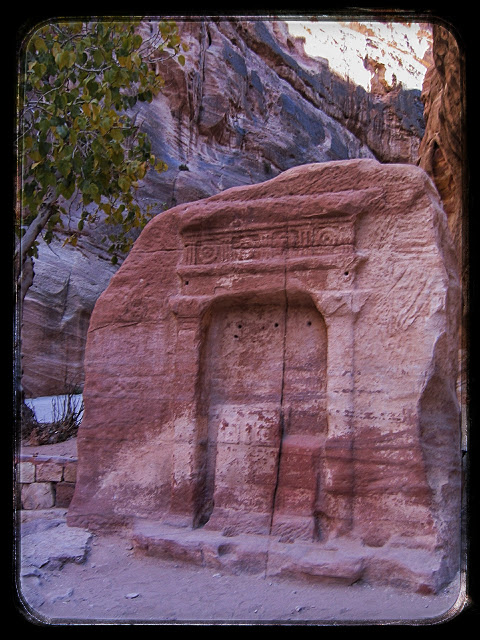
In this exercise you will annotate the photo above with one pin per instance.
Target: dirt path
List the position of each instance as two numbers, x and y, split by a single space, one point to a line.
70 576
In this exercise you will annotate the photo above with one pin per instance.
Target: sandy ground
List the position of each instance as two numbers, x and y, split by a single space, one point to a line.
67 449
103 579
70 576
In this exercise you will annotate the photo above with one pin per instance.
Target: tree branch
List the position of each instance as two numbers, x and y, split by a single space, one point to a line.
34 230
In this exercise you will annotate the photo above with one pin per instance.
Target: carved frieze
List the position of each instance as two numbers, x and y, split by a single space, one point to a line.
302 238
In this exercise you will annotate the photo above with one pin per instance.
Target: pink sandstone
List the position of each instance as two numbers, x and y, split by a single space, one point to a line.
270 382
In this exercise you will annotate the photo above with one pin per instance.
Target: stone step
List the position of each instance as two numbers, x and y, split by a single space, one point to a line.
247 553
342 561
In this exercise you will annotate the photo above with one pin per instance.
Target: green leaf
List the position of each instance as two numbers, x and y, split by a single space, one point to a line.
39 43
62 59
92 87
137 41
44 148
117 134
146 96
124 183
44 125
125 61
86 199
98 57
161 166
71 59
64 167
62 131
82 58
117 158
35 156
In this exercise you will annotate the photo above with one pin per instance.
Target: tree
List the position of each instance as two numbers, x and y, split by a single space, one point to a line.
79 142
78 136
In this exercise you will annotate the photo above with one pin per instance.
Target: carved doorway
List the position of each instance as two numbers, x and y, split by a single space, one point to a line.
264 414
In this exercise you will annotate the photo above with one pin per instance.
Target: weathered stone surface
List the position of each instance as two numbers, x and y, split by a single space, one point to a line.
56 314
48 472
278 361
442 150
442 154
248 104
70 472
26 472
37 495
50 552
64 493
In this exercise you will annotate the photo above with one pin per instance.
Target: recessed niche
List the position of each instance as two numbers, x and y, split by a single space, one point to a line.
246 390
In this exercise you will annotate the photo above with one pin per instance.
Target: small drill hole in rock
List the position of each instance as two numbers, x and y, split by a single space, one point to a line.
224 549
239 326
186 281
235 336
346 273
309 323
276 324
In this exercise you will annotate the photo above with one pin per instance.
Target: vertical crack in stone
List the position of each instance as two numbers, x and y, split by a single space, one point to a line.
65 293
282 388
282 416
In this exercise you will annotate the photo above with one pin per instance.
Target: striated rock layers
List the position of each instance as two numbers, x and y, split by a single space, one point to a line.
250 103
442 155
56 314
442 152
247 105
270 382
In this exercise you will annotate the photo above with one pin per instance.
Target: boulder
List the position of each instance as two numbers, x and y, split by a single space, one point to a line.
278 360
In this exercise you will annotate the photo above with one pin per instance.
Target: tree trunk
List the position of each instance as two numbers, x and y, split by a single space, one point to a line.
24 274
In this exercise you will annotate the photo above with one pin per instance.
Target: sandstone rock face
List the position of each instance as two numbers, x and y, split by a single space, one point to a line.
275 365
441 152
249 104
442 156
56 314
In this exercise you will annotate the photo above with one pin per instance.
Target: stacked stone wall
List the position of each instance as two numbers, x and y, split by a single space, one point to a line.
45 482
